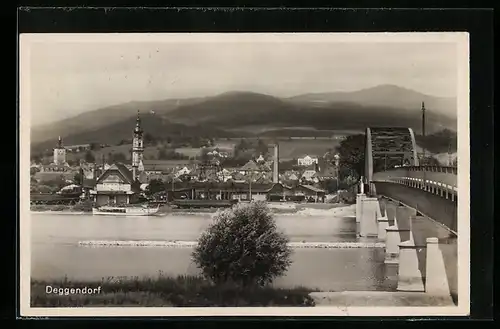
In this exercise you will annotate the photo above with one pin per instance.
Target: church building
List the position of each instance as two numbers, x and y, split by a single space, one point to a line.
59 164
117 184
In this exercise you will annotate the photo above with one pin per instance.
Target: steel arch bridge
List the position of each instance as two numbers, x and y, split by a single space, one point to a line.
392 170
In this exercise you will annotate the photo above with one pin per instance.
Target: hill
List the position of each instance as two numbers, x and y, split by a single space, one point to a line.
153 124
235 113
390 96
96 119
233 109
379 106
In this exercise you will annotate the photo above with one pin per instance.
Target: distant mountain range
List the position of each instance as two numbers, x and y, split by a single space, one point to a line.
240 113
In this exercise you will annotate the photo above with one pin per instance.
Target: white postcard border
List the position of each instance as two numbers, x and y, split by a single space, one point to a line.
460 38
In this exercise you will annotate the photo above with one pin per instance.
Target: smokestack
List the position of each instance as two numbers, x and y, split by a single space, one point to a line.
423 119
276 164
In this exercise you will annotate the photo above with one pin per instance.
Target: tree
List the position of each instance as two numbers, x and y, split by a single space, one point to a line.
36 158
118 157
352 154
243 246
94 146
78 178
57 183
155 186
149 139
243 145
204 158
262 147
34 170
89 157
429 161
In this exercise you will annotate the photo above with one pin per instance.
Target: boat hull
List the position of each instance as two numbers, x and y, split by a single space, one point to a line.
126 212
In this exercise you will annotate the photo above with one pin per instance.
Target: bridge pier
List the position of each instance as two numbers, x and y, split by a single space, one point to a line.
359 206
393 239
383 224
403 218
410 276
370 212
436 282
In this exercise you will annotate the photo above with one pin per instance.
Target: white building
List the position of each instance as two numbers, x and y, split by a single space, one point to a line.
307 161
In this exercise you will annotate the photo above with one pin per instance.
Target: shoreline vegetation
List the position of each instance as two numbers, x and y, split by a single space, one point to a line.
162 291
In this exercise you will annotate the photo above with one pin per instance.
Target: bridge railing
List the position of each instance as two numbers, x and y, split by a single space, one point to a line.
441 181
440 169
443 190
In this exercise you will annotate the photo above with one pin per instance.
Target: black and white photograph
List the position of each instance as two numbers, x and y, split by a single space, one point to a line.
219 174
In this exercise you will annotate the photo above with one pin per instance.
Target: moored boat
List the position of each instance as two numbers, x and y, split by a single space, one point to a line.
129 210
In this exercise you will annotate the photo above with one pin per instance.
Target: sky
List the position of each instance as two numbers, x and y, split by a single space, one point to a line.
68 76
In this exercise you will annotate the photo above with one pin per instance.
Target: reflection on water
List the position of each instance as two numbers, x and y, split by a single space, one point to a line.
55 252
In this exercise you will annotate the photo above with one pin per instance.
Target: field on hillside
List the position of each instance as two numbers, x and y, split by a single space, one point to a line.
292 149
298 148
289 149
150 152
189 151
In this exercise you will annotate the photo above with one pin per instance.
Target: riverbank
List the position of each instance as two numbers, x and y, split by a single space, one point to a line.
78 208
180 291
277 208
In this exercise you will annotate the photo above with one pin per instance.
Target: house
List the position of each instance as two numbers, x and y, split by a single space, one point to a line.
78 148
167 166
309 174
58 168
249 167
116 186
307 161
310 193
326 173
183 171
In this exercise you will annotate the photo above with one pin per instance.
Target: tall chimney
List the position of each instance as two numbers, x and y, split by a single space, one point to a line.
276 164
423 129
423 119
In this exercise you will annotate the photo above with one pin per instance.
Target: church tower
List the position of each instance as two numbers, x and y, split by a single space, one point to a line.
59 153
137 148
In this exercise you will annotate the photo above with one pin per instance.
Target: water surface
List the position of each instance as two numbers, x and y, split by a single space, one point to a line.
55 251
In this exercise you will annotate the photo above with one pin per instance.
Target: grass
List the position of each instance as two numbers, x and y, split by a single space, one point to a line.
61 207
181 291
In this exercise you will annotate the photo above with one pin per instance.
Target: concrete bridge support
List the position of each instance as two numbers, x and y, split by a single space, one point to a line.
370 212
392 241
367 213
410 276
359 206
436 277
383 224
416 245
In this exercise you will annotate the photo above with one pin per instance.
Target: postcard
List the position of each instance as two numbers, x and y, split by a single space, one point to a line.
242 174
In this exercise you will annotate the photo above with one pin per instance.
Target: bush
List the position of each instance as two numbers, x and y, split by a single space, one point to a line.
243 246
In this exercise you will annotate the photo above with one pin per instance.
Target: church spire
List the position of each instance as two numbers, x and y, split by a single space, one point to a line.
138 128
59 142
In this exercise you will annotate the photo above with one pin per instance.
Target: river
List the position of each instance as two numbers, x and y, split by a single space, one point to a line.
55 252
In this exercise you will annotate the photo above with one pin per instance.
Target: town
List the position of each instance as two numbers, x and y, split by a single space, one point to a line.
311 178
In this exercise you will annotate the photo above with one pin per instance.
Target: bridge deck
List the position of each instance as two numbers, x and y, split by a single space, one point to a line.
439 209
